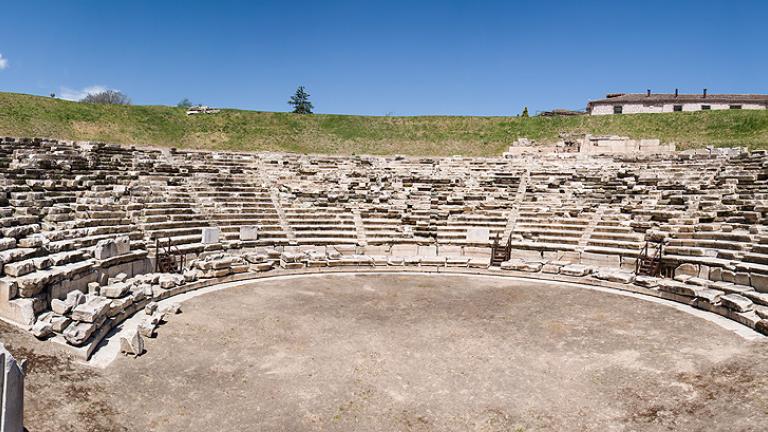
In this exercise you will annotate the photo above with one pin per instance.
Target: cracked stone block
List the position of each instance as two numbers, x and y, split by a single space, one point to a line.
737 302
77 333
19 268
116 290
92 310
615 276
60 307
105 249
577 270
132 343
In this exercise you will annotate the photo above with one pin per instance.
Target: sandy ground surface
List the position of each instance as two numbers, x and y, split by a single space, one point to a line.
410 353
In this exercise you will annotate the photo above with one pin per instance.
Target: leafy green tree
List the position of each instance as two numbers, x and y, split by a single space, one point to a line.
185 103
300 102
525 112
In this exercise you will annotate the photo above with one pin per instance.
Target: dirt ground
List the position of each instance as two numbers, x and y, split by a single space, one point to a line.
410 353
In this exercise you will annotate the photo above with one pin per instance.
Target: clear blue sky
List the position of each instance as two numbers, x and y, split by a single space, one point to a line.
385 57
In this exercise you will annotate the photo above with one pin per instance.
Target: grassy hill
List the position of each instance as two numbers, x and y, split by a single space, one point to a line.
35 116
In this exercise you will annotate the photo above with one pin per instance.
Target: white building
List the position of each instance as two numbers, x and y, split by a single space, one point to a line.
634 103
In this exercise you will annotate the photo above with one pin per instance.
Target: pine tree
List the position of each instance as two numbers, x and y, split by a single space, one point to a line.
525 112
300 102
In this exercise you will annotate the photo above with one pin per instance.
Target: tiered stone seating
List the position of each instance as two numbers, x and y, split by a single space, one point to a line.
78 213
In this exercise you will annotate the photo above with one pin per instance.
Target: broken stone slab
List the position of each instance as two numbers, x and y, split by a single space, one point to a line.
115 290
92 310
190 275
170 309
615 276
75 298
42 328
646 281
147 328
167 281
132 343
737 302
77 333
60 307
118 306
577 270
60 323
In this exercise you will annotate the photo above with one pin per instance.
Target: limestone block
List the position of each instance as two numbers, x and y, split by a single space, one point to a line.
170 309
678 288
42 329
94 288
737 302
249 233
147 329
60 307
91 310
118 306
742 278
762 311
123 245
553 267
115 290
42 263
60 323
132 343
150 308
211 235
105 249
615 276
687 269
710 295
577 270
261 267
75 298
646 281
32 284
7 243
168 281
77 333
19 268
762 326
727 276
759 282
190 276
478 235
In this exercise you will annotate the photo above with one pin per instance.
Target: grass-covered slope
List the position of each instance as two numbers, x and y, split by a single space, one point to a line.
34 116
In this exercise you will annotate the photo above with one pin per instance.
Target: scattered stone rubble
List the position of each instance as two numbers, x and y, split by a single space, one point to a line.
82 224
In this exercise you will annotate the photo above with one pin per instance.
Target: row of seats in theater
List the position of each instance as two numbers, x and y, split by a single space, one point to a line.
60 199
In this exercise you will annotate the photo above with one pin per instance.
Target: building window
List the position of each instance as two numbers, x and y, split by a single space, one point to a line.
706 107
617 109
677 108
735 106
